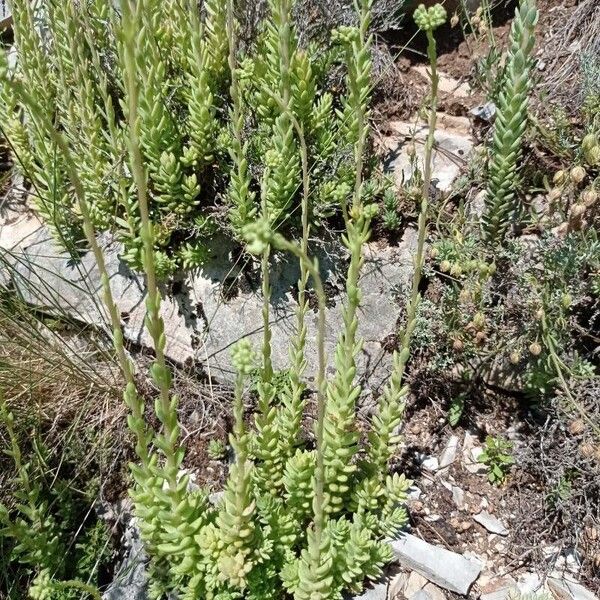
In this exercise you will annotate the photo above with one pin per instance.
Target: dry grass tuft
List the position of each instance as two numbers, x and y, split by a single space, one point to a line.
569 46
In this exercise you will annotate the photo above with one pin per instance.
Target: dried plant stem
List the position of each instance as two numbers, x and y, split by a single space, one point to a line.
560 367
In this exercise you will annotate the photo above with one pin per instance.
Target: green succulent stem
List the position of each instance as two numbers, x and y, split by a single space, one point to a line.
502 206
312 268
425 191
391 405
267 364
154 323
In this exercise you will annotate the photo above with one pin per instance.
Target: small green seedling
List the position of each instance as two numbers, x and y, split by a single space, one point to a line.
497 456
216 449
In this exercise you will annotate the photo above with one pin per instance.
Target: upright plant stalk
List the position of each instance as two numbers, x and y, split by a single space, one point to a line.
281 7
241 198
292 404
383 437
312 269
276 193
360 87
237 514
511 121
341 435
166 409
315 563
290 416
171 517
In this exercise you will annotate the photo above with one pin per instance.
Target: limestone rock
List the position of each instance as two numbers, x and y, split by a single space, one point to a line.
376 591
420 595
453 146
567 590
396 586
491 523
450 451
203 318
446 569
415 582
131 579
447 84
434 592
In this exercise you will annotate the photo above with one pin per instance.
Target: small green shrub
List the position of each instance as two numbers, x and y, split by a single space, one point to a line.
37 530
497 456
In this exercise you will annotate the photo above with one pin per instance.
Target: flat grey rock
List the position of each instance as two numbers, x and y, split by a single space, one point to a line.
131 578
491 523
206 313
450 451
454 144
431 463
420 595
568 590
376 591
415 582
446 569
458 496
434 592
502 593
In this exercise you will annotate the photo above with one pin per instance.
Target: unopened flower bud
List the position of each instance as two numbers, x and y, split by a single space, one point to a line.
539 314
592 156
560 177
457 345
515 357
554 194
456 270
433 253
471 265
578 174
480 338
242 357
566 300
445 266
535 349
475 21
589 197
465 295
589 141
430 18
577 210
411 149
454 20
479 320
